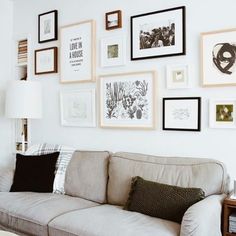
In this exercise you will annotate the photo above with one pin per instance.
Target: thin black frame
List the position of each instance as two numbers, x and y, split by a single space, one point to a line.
164 55
55 12
198 99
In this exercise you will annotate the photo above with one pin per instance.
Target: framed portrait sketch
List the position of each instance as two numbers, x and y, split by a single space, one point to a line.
158 34
182 113
113 20
78 108
78 52
222 113
218 51
177 76
128 100
45 61
113 51
47 26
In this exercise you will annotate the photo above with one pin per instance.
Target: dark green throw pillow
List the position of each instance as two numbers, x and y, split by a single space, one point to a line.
161 200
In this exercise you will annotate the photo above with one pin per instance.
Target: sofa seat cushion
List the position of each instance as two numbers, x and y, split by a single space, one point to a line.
30 213
108 220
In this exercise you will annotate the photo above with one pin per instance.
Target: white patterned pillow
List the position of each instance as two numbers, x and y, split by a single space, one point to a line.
61 165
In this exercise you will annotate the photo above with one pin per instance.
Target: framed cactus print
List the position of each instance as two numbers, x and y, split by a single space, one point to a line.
127 100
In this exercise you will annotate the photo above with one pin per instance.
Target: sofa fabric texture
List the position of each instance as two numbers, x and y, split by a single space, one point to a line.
87 175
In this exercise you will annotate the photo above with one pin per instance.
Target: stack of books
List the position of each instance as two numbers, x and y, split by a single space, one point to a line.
22 51
232 223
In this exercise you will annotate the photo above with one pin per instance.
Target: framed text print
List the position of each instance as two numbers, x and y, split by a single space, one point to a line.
78 52
182 113
219 58
158 34
127 100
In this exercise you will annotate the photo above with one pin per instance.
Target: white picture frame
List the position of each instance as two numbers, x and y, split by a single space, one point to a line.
78 52
222 113
113 51
78 108
177 77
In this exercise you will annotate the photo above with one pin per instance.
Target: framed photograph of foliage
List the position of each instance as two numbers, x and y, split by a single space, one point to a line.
128 100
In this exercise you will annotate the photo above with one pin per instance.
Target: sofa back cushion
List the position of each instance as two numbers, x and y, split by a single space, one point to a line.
209 175
87 174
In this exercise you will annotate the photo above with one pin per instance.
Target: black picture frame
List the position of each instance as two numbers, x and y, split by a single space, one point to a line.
197 115
54 26
172 33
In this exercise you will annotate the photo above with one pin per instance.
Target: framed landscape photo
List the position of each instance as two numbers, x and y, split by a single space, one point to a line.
222 113
78 52
47 26
158 34
128 100
218 51
45 61
113 20
113 51
78 108
182 113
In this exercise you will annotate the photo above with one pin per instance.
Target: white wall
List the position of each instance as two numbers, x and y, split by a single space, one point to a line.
6 27
210 143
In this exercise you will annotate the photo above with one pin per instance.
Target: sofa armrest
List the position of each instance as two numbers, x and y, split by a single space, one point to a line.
203 218
6 179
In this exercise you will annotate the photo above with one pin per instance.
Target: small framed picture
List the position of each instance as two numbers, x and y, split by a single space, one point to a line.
158 34
113 51
177 77
47 26
45 61
113 20
182 113
222 113
78 108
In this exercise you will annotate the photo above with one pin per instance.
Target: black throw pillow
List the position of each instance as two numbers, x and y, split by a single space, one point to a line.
34 173
161 200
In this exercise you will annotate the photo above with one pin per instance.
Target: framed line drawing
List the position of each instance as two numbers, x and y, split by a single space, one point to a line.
45 61
128 100
48 26
218 56
158 34
78 108
78 52
182 113
113 20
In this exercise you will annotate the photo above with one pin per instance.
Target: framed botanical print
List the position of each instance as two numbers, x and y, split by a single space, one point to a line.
78 52
78 108
158 34
47 26
222 113
182 113
113 20
45 61
113 51
128 100
218 49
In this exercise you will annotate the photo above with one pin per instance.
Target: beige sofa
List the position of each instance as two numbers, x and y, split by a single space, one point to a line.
97 186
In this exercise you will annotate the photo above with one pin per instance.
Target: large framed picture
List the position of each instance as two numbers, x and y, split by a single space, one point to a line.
47 26
158 34
78 108
218 51
128 100
182 113
222 113
78 52
45 61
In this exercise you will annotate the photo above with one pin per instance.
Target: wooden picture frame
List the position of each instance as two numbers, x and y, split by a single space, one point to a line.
77 52
128 100
181 113
158 34
46 61
113 20
48 26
